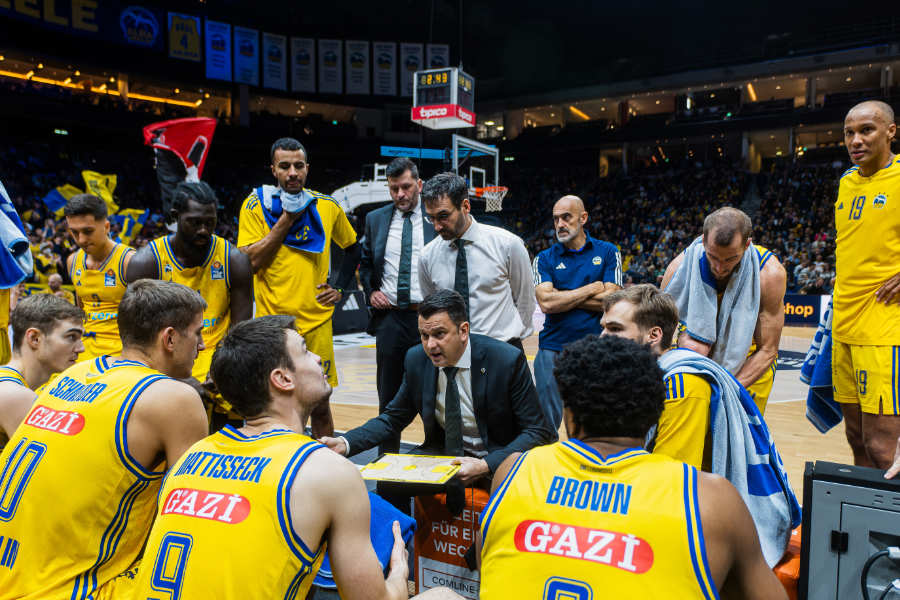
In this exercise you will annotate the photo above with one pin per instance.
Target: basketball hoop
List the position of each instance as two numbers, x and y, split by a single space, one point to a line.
493 197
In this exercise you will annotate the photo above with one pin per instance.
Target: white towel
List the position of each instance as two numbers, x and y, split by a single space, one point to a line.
727 326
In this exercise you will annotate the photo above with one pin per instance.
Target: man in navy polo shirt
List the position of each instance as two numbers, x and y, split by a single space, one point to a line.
571 279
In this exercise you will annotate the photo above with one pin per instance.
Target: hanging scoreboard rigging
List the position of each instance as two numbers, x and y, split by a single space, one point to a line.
443 98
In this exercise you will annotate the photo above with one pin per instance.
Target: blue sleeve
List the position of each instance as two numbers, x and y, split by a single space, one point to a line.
541 268
613 271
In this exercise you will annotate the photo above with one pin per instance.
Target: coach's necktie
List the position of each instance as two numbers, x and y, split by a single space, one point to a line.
461 279
405 271
453 444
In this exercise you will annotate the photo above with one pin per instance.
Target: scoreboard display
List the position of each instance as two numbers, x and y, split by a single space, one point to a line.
434 87
443 98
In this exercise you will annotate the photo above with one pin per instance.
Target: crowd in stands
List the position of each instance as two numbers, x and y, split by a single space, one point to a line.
653 214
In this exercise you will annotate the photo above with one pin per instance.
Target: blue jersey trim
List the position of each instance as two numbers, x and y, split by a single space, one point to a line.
122 258
121 429
294 587
296 545
158 258
591 453
695 533
102 363
491 509
227 264
86 583
231 433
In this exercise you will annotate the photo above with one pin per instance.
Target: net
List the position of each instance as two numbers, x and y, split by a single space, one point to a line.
493 197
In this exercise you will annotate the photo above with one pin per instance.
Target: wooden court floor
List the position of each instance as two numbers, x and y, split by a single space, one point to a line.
355 400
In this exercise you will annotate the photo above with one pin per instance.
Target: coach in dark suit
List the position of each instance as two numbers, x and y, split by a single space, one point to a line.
475 396
394 238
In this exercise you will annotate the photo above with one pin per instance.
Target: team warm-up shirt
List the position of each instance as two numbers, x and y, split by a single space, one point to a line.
223 528
288 285
569 270
867 220
100 291
568 522
75 506
212 281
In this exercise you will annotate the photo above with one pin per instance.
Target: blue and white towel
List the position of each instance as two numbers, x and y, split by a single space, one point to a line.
743 452
821 409
727 325
381 523
307 232
16 262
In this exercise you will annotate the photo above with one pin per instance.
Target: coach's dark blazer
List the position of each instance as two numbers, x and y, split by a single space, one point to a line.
371 266
506 406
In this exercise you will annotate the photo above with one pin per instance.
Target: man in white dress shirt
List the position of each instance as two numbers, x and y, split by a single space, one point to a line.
394 237
487 265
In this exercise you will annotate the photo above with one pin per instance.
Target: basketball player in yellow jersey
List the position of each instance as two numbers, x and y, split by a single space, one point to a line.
82 471
726 236
289 253
866 321
204 262
46 340
598 517
647 316
247 513
97 270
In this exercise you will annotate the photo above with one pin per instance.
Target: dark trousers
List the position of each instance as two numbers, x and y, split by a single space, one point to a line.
396 332
517 343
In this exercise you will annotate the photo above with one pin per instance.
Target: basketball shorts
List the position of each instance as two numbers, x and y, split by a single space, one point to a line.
95 346
319 341
867 376
762 387
121 587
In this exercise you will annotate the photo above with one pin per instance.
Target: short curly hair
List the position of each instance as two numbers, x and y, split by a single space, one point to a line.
612 386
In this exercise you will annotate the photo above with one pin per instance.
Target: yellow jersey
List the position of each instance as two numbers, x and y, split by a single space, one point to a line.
100 291
288 285
75 506
11 375
7 373
867 220
5 348
683 426
212 281
79 371
571 523
223 526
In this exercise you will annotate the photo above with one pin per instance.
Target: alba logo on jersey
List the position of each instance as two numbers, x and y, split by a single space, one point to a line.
213 506
58 421
620 550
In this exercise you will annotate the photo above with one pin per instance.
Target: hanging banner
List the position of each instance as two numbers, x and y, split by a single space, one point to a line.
330 67
384 68
358 68
119 21
246 56
303 64
411 60
184 37
274 61
438 56
218 50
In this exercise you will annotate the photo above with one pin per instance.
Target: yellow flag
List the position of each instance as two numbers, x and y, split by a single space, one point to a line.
103 187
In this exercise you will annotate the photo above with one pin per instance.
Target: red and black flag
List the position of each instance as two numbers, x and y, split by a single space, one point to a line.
181 147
